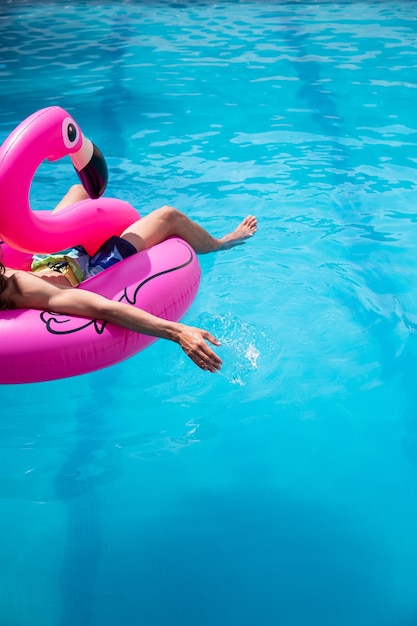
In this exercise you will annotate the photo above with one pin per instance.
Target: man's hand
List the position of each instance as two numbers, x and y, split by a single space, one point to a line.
193 342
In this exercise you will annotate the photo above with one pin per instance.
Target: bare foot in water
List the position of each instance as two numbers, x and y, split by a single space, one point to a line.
238 236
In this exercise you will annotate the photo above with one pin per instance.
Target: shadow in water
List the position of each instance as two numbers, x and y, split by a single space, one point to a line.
86 468
324 111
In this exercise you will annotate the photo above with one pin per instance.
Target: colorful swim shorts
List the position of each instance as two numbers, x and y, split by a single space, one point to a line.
76 264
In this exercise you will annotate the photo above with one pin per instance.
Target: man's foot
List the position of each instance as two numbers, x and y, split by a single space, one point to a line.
238 236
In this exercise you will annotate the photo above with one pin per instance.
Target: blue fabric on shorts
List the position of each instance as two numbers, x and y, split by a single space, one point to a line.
110 252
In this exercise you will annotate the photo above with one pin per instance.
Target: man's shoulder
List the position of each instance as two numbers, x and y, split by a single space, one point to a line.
26 290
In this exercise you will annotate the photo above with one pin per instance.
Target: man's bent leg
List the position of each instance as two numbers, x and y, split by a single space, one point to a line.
76 193
167 221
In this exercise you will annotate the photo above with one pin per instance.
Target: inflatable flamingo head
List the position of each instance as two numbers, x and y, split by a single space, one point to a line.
51 134
88 161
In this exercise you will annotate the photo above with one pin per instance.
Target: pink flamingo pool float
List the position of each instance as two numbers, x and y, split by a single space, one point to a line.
40 345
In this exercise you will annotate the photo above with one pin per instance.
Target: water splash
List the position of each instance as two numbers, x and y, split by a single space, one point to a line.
253 354
238 351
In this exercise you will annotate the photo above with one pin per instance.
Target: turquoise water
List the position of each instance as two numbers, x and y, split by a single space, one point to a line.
281 491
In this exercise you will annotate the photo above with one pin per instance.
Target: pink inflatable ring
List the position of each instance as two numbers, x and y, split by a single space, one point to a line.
39 345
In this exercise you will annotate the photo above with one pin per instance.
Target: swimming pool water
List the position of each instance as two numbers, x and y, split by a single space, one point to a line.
281 491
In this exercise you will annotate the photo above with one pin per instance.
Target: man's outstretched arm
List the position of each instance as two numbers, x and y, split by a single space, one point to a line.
33 292
87 304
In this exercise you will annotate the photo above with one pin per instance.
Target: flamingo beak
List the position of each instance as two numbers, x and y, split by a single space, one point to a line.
91 167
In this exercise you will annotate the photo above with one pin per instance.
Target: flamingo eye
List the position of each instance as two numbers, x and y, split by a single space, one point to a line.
70 132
